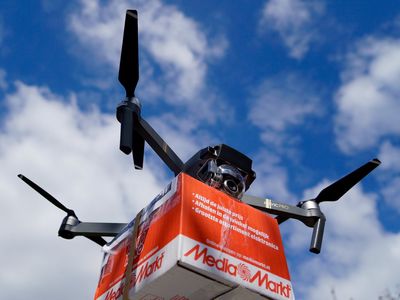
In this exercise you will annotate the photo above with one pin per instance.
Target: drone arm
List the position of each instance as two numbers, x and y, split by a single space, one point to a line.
97 229
162 149
135 131
307 216
307 212
72 227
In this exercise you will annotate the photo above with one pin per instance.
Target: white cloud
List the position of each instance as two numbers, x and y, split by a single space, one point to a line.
279 104
182 134
355 253
368 99
172 42
272 178
294 21
390 156
74 155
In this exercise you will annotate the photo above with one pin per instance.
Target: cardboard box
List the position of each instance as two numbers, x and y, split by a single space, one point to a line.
195 242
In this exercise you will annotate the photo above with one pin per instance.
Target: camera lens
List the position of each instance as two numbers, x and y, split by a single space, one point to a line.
231 186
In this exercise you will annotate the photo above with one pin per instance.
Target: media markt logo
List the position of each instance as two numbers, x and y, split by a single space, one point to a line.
140 274
260 278
222 264
244 272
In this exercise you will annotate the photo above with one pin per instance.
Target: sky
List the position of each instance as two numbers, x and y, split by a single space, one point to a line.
310 90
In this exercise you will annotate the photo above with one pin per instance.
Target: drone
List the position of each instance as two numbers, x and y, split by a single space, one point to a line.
218 166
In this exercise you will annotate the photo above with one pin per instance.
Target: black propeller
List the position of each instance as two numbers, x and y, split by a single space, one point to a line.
54 201
128 111
129 63
332 192
46 195
337 189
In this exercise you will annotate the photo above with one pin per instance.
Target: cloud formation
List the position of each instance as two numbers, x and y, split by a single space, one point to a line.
272 178
176 51
368 99
368 106
390 180
294 22
281 103
356 251
74 155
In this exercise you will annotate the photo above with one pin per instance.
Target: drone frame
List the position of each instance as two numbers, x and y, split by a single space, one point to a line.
308 212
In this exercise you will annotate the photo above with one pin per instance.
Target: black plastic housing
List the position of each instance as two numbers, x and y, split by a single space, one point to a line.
222 154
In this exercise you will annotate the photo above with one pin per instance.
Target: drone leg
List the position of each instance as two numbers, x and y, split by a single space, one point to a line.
138 148
126 118
317 236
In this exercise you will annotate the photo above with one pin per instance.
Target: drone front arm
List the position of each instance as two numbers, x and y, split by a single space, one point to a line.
307 216
72 227
307 212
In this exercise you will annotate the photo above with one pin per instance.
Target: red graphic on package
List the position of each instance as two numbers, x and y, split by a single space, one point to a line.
194 210
152 235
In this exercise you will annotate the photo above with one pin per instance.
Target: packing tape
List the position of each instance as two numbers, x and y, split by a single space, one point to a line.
132 250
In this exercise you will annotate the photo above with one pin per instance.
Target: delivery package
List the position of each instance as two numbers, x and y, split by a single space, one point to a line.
195 242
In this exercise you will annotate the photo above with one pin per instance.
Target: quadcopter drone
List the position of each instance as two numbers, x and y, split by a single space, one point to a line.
220 166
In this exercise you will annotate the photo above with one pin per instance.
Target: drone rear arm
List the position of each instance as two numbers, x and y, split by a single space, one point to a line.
162 149
135 130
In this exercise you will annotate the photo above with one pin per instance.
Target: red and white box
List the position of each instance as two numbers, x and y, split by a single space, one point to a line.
195 242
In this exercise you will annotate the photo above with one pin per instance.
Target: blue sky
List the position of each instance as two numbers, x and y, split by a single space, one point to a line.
308 89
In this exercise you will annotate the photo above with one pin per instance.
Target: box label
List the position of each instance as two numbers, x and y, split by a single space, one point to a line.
230 268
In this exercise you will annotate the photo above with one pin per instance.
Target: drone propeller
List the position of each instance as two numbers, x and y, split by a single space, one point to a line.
54 201
128 112
315 218
129 63
337 189
46 195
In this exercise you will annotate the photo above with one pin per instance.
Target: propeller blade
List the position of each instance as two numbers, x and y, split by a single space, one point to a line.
337 189
129 63
46 195
138 150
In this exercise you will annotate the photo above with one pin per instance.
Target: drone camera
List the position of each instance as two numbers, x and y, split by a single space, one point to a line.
222 176
223 168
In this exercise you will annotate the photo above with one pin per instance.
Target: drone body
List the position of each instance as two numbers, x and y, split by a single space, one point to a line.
219 167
